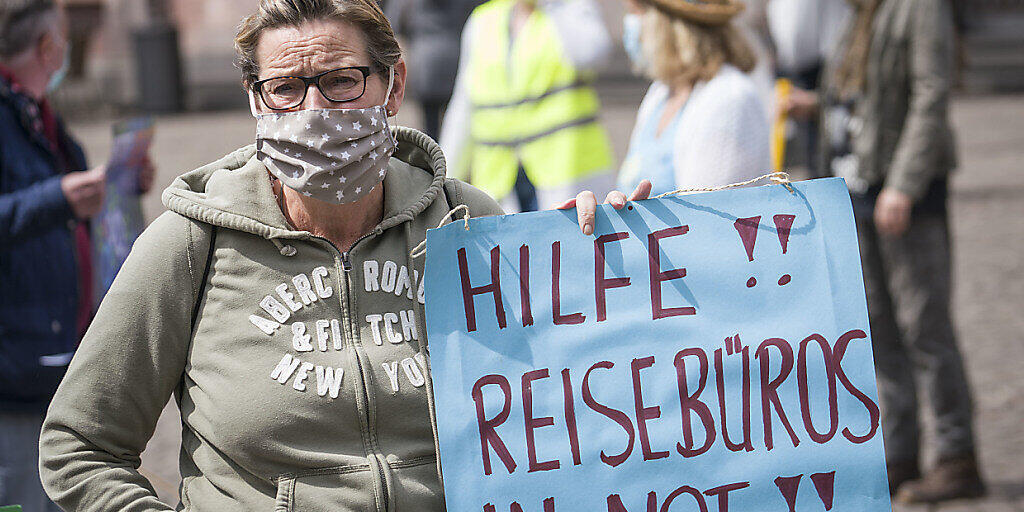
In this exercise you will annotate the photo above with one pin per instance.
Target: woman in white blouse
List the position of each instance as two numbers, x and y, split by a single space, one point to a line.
703 122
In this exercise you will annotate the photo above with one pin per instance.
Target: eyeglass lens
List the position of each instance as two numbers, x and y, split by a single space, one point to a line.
339 85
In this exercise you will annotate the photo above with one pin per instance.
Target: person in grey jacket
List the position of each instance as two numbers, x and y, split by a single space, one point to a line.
433 32
884 115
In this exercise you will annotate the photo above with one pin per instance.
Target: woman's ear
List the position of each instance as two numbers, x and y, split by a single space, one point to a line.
398 89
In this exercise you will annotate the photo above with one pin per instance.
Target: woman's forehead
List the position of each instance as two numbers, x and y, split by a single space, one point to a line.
311 47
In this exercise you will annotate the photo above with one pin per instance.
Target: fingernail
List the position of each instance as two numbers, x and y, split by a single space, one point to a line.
587 229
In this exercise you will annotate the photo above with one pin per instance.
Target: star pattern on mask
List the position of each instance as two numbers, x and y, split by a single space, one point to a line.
344 136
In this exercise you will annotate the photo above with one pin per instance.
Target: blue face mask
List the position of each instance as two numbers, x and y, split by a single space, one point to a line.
58 76
631 26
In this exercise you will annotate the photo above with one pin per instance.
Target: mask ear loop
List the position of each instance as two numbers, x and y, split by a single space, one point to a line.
391 84
252 104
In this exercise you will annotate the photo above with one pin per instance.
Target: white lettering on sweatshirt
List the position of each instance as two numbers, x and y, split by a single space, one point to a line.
392 370
300 340
393 327
284 369
306 292
267 326
328 380
414 369
393 278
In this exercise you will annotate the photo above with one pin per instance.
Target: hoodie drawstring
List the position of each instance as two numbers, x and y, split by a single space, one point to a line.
286 250
421 249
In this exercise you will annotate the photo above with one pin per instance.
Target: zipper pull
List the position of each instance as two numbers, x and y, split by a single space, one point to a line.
346 264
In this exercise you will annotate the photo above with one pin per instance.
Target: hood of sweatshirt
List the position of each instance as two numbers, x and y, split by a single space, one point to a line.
300 370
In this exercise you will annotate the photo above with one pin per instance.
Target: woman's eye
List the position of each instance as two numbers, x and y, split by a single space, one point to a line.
341 82
282 89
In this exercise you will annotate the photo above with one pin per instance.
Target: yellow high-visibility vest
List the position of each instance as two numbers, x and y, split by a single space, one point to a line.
530 106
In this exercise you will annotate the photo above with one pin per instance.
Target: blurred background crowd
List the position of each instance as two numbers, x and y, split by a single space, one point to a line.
869 90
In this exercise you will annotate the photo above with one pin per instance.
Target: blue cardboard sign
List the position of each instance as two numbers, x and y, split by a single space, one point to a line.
704 352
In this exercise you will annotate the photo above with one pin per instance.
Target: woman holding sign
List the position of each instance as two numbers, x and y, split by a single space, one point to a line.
277 299
702 122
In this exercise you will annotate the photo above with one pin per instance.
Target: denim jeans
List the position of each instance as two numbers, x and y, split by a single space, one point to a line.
19 462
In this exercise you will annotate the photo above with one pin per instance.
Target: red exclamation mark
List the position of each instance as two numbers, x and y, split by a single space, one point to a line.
747 229
788 486
783 225
824 483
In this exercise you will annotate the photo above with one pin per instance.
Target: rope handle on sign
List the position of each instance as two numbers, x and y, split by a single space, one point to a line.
779 177
421 248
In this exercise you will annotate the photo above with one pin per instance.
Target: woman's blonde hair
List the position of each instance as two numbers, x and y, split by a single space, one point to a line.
681 52
366 15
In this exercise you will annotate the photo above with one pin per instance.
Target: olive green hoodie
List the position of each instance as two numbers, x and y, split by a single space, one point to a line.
300 371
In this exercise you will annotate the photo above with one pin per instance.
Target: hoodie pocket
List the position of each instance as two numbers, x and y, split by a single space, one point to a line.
339 489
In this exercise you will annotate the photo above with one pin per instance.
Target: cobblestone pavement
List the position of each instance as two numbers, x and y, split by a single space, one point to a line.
988 227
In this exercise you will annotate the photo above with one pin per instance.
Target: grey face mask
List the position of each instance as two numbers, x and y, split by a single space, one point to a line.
332 155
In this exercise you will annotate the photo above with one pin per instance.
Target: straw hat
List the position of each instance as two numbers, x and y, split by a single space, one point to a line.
706 12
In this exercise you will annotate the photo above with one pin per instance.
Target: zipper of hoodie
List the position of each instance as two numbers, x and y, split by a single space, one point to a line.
346 265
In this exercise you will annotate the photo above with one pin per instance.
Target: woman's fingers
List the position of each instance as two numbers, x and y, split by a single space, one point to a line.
616 199
586 211
586 204
643 191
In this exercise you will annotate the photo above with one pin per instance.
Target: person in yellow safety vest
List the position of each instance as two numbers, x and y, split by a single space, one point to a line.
523 121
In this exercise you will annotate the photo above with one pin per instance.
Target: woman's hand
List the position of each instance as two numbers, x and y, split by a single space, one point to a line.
801 104
586 204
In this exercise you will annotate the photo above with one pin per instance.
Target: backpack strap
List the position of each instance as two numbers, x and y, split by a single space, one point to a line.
453 194
202 240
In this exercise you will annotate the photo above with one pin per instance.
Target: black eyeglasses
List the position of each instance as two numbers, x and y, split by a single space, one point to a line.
337 85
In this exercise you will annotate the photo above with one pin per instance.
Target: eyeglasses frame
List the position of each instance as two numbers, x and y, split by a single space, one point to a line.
257 86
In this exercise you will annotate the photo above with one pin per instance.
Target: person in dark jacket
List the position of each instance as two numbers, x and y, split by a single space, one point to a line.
433 31
47 195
